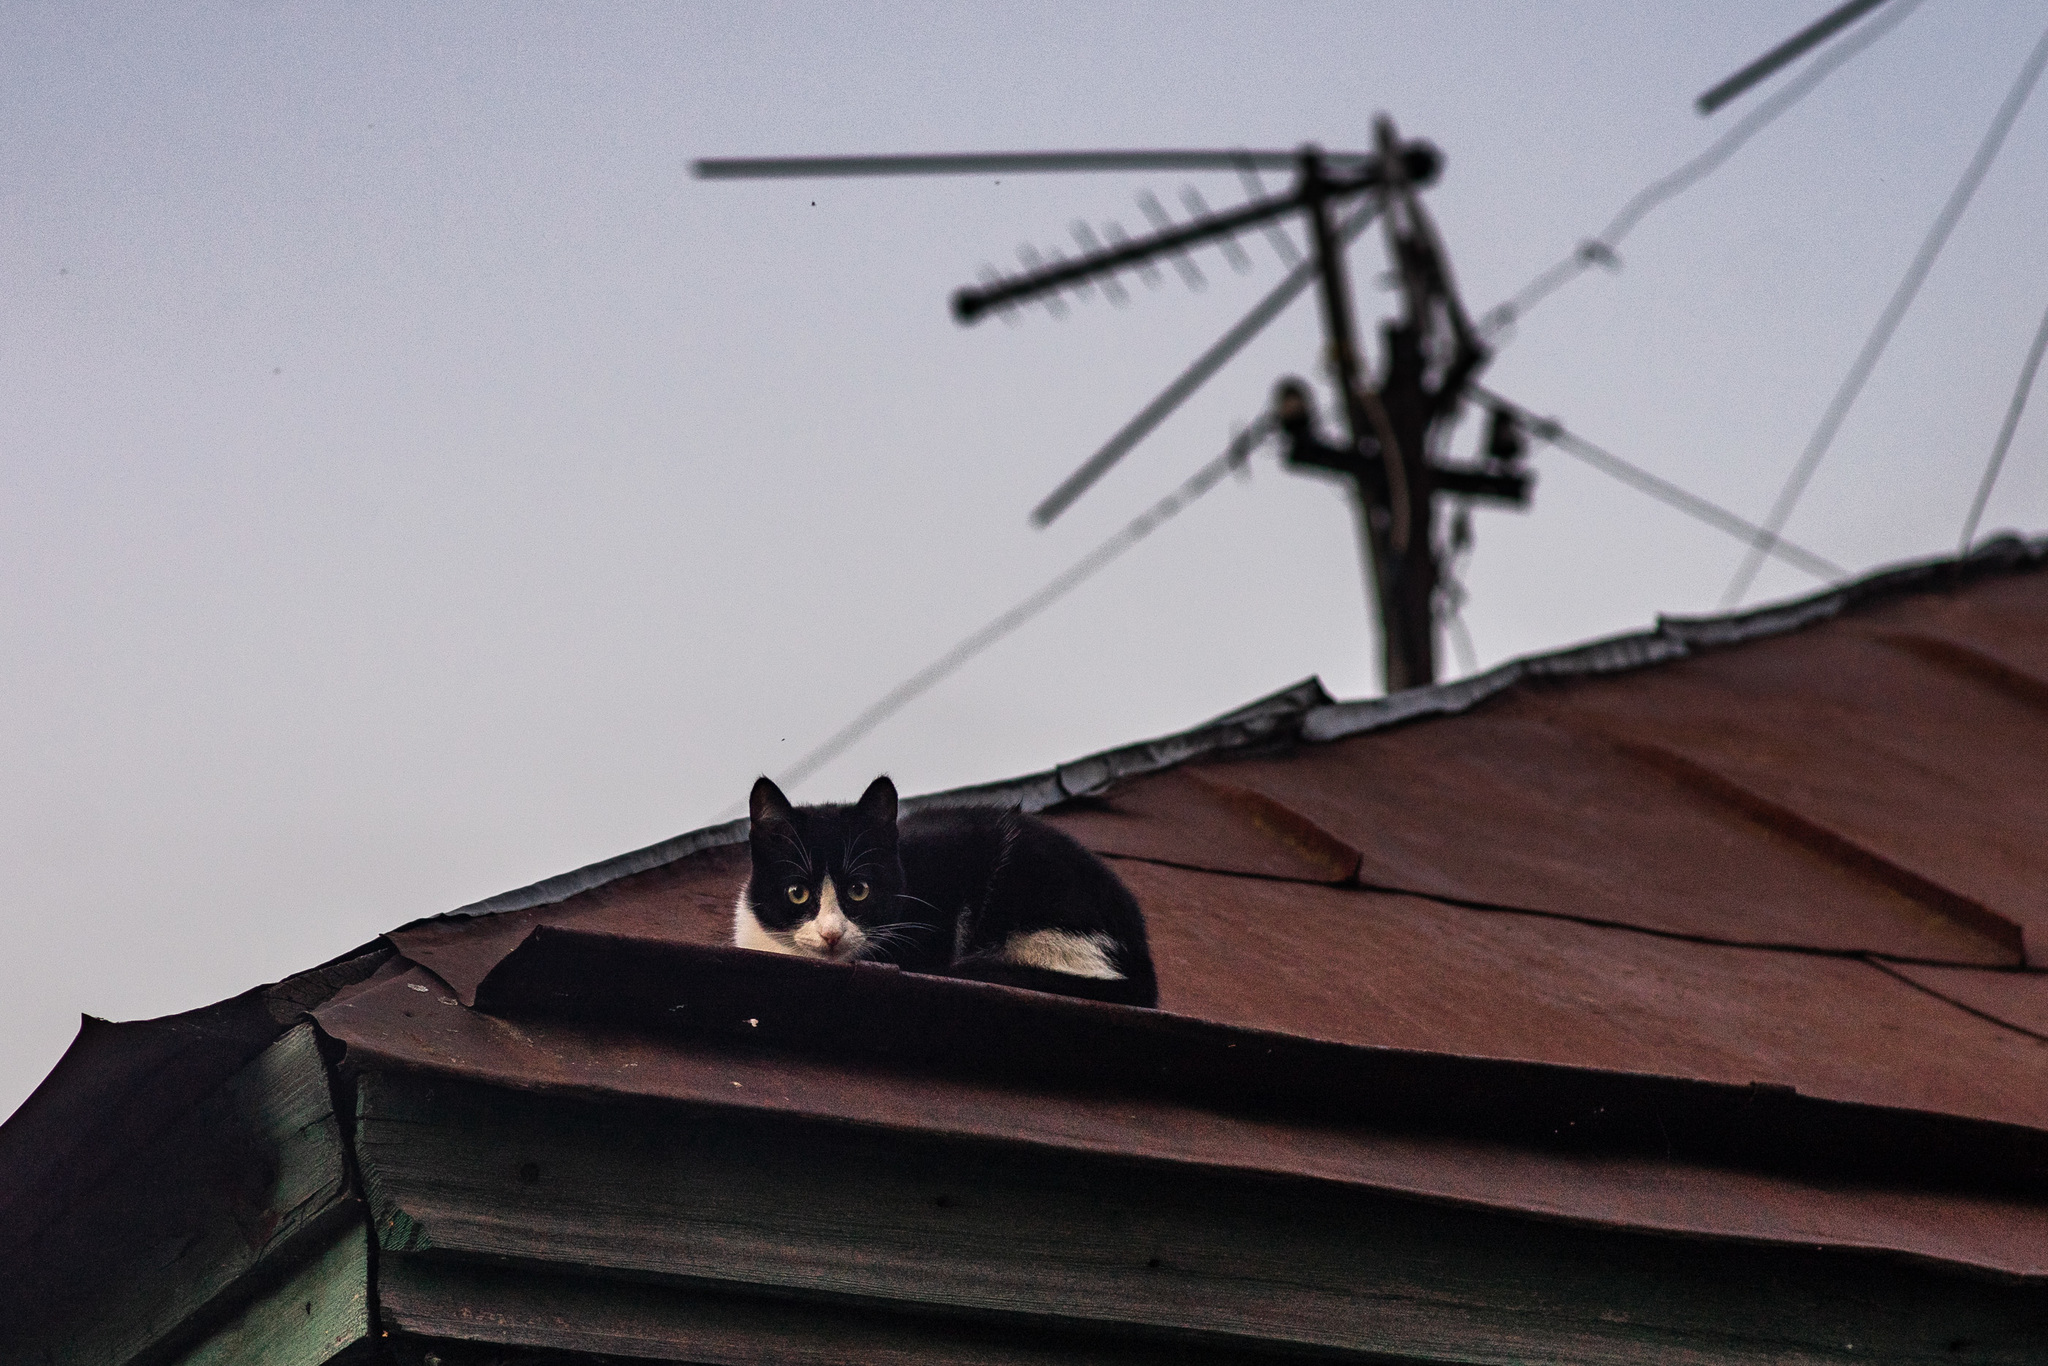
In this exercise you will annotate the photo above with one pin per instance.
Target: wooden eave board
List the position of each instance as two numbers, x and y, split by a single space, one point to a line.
251 1182
470 1180
316 1314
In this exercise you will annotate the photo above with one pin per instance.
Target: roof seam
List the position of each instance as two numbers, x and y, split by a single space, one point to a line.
1594 922
1704 777
1984 1015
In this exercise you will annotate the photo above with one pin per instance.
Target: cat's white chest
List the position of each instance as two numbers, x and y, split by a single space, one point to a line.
749 933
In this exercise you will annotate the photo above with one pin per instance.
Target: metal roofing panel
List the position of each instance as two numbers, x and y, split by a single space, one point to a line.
1919 775
121 1084
1509 807
1186 816
1396 971
2002 617
2005 573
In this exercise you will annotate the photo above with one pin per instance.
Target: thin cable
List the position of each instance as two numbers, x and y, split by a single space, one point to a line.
1096 560
1195 376
2012 422
1600 250
1888 321
1664 491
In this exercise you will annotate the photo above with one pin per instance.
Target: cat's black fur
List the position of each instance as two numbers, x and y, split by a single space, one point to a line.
975 892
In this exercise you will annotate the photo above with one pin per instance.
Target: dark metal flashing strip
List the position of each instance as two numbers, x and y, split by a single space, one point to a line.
1304 711
1676 638
591 876
1618 655
887 1018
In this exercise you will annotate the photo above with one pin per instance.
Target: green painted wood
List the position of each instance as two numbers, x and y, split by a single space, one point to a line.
176 1236
901 1228
319 1312
495 1307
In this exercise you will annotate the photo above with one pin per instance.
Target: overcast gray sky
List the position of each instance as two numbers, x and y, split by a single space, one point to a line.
414 484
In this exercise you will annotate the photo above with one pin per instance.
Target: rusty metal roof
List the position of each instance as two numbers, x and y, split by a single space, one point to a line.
1737 928
1794 854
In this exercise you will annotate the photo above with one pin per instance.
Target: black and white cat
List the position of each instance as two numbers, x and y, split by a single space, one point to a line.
975 892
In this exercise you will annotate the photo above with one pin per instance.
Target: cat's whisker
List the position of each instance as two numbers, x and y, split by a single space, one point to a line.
803 855
899 927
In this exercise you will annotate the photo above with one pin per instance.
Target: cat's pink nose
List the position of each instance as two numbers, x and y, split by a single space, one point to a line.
831 936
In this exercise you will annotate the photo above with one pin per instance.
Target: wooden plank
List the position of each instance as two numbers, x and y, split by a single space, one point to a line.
320 1311
900 1227
470 1312
165 1246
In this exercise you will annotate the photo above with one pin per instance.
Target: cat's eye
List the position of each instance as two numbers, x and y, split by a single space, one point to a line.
857 891
798 894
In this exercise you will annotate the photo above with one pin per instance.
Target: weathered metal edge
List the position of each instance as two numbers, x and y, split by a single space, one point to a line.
1304 711
1674 638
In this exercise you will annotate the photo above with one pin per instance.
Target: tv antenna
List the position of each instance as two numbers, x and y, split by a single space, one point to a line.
1393 423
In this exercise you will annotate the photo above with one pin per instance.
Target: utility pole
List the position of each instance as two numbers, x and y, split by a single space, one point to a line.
1431 353
1388 485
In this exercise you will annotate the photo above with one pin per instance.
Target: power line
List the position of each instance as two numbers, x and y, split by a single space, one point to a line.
2012 422
1195 376
1206 478
1096 560
1600 250
1888 321
1666 492
1785 53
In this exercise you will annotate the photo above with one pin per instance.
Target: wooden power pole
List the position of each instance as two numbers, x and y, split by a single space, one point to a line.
1431 352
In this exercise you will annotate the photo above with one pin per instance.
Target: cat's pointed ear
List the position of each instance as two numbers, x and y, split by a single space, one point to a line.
878 803
766 802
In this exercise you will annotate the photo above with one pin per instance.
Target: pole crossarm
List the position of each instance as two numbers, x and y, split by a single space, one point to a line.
1419 160
1508 487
